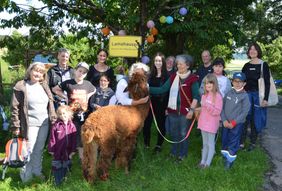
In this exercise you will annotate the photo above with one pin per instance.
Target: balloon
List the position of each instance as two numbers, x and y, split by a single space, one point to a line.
150 39
145 59
183 11
121 33
150 24
154 31
162 19
169 19
105 31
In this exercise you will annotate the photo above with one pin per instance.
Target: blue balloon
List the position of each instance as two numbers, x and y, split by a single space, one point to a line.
183 11
145 59
169 19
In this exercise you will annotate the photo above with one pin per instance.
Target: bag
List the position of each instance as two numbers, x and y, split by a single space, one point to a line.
17 154
273 96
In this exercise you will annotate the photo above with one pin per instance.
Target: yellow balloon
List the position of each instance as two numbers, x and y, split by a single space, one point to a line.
162 19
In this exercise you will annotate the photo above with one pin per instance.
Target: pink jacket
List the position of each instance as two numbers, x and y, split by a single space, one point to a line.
210 113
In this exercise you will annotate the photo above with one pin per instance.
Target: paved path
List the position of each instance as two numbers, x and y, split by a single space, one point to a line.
272 143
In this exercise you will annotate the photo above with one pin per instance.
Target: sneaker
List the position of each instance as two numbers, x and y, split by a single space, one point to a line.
230 158
157 149
224 153
251 147
242 147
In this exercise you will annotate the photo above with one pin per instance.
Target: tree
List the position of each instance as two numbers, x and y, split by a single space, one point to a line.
207 24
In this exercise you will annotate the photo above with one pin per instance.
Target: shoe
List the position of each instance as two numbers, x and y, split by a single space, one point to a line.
230 157
224 153
41 177
242 147
251 147
179 160
157 149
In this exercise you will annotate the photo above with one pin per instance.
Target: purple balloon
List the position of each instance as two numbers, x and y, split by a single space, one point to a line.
183 11
145 59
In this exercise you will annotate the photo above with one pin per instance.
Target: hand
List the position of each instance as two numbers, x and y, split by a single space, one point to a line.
70 156
143 100
16 132
51 153
264 103
226 124
189 115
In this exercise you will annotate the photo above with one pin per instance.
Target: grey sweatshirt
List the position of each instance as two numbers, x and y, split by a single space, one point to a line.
236 106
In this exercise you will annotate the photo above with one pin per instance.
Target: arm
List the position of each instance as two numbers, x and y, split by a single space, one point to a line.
121 96
162 89
196 98
52 141
215 108
58 91
15 105
266 77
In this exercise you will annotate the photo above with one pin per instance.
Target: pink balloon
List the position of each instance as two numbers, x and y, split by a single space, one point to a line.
150 24
121 33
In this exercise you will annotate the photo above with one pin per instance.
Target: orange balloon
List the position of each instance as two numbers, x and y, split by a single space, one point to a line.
150 39
154 31
105 31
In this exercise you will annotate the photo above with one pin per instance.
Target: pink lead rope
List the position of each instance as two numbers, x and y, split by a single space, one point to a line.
174 142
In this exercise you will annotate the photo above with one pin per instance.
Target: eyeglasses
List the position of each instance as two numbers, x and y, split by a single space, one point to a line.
237 81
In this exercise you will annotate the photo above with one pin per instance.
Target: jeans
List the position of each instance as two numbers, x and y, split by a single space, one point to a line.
179 126
60 169
231 138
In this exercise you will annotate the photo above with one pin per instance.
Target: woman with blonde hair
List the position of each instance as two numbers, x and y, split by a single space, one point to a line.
32 110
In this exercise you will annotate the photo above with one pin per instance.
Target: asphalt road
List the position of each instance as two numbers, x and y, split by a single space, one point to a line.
272 143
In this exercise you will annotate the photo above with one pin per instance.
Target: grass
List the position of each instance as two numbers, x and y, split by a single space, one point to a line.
158 172
151 172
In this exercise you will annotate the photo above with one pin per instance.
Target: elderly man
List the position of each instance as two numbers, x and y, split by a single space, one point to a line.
206 68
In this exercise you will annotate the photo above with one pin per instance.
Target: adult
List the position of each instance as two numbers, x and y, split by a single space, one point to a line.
183 88
60 73
206 68
32 110
95 71
258 111
170 65
122 95
157 78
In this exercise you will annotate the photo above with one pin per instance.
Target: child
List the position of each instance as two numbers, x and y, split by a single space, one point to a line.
235 110
62 144
211 106
224 84
102 95
78 93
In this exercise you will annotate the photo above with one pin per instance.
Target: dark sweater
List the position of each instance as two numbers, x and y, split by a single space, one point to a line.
252 72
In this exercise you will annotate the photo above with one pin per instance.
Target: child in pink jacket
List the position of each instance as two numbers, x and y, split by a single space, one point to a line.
211 106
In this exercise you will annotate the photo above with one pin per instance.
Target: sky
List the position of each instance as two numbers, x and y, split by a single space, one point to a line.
23 30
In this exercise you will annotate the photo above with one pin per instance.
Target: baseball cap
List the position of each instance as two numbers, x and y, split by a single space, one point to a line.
83 64
239 75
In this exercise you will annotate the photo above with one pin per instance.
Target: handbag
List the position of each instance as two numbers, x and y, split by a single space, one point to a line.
273 96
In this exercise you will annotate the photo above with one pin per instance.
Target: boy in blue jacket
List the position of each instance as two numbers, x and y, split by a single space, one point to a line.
235 109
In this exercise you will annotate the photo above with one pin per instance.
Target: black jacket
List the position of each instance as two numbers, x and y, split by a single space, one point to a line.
54 75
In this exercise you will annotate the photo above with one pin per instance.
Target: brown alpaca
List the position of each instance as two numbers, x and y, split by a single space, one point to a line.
113 129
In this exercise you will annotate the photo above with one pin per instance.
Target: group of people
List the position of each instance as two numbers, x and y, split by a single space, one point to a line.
63 97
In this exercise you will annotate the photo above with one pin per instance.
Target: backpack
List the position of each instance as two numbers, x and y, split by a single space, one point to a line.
17 154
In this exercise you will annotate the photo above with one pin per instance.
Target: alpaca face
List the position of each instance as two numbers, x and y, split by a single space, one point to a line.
137 86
